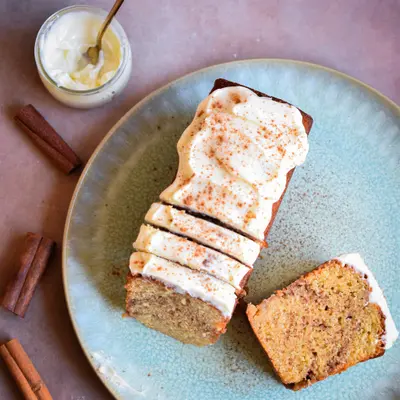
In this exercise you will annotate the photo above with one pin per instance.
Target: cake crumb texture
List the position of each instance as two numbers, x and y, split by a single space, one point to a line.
180 316
320 325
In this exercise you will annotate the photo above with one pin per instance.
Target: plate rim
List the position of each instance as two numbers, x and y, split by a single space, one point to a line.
124 118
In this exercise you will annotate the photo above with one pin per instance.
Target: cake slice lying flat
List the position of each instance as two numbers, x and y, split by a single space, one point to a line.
193 255
205 232
328 320
188 305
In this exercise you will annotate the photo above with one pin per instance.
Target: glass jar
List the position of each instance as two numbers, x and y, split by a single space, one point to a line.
92 97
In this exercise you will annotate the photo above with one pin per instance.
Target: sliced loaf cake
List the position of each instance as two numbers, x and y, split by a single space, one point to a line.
196 254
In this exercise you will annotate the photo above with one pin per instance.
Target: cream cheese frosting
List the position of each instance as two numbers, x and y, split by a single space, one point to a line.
185 280
205 232
234 158
191 254
65 44
376 295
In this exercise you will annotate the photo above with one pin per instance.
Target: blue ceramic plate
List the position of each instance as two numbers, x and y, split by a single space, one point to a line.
345 198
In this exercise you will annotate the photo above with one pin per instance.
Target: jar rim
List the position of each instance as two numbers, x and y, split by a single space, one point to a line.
117 29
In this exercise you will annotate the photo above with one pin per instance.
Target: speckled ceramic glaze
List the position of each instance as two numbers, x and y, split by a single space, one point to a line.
345 198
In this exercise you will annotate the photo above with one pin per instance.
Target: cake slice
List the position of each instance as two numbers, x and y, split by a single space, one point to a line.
188 305
205 232
193 255
328 320
237 156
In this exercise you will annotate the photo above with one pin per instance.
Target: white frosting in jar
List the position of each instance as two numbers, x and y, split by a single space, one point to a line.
185 280
191 254
376 296
63 46
234 158
224 240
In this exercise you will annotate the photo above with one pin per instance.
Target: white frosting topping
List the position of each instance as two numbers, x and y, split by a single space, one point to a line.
191 254
376 295
65 44
185 280
204 232
234 158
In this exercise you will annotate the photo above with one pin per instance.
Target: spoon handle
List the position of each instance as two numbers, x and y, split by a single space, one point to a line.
110 16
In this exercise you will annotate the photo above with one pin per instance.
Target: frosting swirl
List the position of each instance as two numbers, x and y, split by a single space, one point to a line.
234 158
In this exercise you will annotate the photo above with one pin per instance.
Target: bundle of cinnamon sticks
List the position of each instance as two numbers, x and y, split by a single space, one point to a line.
32 264
23 371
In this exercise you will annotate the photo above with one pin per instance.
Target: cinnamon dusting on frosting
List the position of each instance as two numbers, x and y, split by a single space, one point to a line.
243 147
224 240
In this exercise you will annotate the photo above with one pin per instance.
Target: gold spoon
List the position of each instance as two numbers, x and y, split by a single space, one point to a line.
93 52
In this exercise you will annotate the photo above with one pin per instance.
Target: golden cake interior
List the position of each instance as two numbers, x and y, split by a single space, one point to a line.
319 325
181 316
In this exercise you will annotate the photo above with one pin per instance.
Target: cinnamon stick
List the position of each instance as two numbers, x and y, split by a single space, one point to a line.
47 139
32 264
14 287
23 371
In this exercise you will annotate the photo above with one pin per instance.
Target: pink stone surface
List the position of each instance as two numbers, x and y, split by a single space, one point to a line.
169 39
